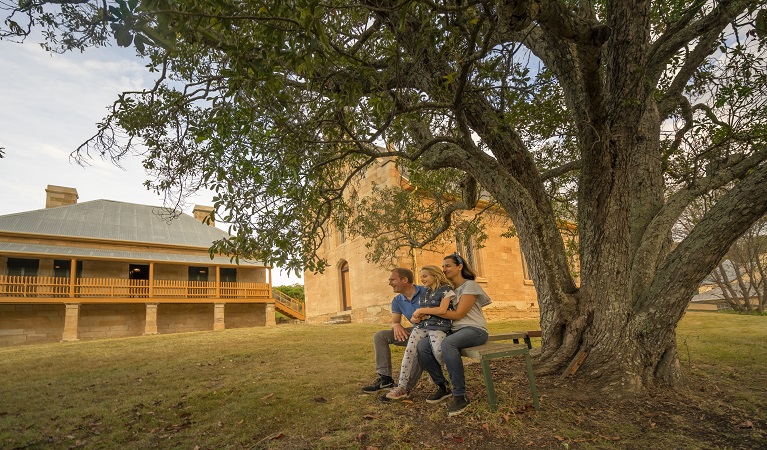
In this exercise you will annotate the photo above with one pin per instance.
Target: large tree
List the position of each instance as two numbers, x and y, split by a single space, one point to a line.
614 115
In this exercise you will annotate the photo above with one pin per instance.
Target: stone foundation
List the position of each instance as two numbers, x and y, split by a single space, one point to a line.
507 313
181 318
243 315
31 324
381 314
110 321
28 324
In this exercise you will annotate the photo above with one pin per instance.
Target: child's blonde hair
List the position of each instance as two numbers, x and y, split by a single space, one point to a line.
438 274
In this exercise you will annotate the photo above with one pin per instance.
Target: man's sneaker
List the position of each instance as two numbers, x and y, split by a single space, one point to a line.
440 394
398 393
458 406
380 383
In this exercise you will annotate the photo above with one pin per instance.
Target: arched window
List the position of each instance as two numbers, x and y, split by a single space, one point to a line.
468 250
525 270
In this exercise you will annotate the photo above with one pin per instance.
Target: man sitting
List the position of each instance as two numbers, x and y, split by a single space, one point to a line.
405 303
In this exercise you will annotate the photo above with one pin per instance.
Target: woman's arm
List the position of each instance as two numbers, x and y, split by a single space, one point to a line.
464 305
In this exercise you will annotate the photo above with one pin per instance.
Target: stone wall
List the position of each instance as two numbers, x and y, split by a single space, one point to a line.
251 275
244 315
27 324
105 269
31 324
180 318
170 272
111 320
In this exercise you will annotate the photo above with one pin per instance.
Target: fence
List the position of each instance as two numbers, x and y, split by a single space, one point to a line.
58 287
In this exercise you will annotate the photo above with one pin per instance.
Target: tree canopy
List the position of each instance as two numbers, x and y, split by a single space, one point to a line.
615 116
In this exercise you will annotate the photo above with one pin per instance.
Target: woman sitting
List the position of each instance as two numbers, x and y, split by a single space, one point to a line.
469 329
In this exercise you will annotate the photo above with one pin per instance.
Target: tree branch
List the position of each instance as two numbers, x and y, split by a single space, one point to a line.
580 29
693 61
561 170
686 31
660 227
697 255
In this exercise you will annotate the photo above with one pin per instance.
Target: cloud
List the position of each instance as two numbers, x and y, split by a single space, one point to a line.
50 105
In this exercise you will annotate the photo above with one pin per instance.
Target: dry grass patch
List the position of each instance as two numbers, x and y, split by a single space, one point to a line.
297 386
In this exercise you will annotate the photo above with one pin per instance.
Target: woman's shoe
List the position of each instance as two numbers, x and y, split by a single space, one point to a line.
440 394
458 406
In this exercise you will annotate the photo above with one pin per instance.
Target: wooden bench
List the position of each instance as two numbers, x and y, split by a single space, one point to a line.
495 348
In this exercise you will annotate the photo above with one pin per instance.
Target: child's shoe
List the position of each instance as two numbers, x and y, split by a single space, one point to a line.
398 393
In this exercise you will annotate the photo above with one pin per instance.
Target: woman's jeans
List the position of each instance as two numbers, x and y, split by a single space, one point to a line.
451 352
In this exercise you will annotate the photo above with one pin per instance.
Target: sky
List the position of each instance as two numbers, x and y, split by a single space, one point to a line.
49 105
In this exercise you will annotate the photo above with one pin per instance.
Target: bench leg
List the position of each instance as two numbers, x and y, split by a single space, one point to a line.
527 341
531 377
492 399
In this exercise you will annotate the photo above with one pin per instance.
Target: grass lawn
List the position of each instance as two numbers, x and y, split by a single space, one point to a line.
297 386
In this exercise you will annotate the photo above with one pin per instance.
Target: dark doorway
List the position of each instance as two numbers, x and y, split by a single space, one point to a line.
138 271
197 276
23 267
198 273
346 297
61 268
228 275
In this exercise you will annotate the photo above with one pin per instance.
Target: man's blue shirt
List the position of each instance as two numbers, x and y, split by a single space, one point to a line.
400 304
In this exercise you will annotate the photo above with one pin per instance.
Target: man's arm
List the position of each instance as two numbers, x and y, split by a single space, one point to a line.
400 333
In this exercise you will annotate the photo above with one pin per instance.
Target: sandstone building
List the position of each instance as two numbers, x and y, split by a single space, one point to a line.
353 289
103 269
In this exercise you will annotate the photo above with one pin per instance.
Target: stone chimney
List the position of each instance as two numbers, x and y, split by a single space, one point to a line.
60 196
204 214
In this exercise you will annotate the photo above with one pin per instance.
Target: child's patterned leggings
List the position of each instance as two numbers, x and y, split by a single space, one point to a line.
435 338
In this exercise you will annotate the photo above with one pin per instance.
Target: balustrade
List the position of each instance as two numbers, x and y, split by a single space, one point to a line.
58 287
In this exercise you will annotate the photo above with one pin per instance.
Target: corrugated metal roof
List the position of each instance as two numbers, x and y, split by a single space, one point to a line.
730 270
108 219
717 294
123 255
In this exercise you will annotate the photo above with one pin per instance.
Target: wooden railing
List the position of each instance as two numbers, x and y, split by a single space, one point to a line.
288 305
22 286
111 287
58 287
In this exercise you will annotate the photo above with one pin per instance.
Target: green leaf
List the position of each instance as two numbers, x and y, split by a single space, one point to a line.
138 41
123 36
760 25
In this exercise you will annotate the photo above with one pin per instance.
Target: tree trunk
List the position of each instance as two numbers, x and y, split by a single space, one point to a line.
621 191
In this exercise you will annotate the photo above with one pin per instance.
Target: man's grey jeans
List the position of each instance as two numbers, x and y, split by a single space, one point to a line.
381 342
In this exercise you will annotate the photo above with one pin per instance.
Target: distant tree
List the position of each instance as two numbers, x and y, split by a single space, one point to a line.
615 115
740 274
295 291
748 259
